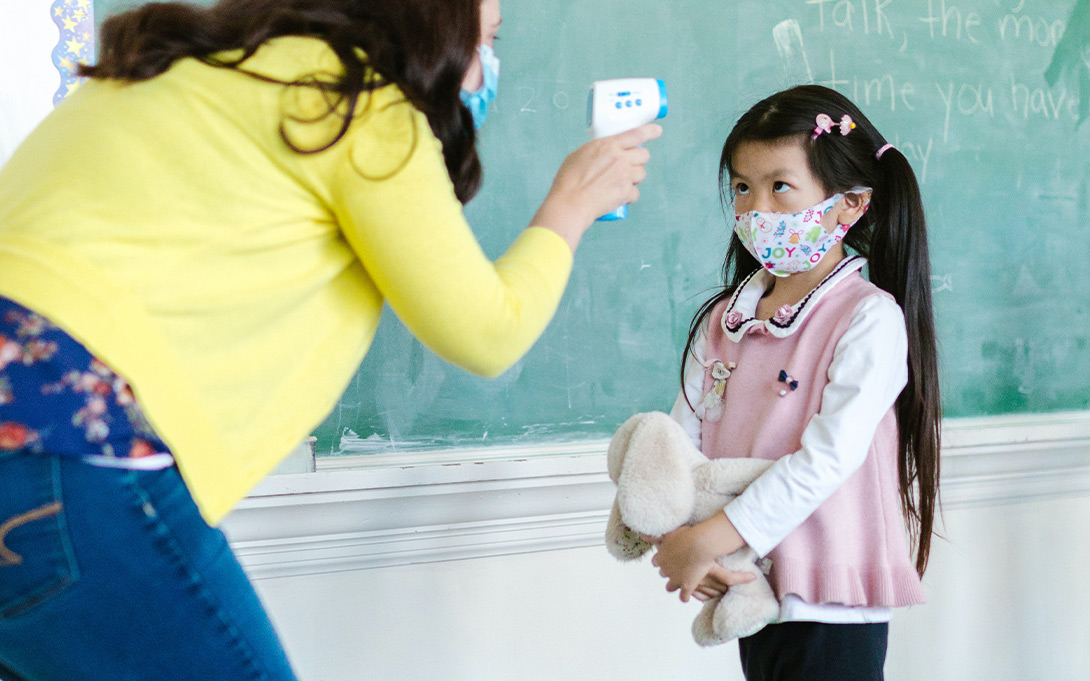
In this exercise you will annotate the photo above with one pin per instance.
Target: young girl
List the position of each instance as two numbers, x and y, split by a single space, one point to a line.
800 359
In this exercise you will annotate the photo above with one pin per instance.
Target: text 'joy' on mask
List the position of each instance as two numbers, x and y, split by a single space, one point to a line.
788 243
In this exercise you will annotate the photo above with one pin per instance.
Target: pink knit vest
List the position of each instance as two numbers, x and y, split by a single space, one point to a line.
853 549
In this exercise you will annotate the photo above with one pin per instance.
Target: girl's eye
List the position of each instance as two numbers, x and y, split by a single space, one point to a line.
780 187
741 188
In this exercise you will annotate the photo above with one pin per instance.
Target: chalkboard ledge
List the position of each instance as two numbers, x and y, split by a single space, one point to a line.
460 504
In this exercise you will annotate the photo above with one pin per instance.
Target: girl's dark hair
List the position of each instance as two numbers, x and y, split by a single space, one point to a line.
892 234
423 46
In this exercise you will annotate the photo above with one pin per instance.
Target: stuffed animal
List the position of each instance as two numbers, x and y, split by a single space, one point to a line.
664 482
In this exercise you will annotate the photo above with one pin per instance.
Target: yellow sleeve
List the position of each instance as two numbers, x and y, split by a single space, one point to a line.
396 206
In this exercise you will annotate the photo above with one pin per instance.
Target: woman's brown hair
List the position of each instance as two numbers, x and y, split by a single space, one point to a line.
425 47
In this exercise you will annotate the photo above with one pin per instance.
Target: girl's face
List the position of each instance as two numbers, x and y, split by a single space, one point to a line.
490 26
775 177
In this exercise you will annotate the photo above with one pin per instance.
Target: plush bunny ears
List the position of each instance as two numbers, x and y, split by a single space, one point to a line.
825 124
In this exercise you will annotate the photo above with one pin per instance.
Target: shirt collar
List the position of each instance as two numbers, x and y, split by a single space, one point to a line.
740 315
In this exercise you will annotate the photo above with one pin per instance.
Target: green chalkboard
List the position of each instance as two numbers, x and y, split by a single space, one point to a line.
959 86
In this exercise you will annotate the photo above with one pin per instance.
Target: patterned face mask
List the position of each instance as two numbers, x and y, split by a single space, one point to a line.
788 243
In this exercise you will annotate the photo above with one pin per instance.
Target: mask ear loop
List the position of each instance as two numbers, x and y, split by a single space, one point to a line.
859 191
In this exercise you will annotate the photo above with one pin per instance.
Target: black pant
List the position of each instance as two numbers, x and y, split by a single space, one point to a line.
812 651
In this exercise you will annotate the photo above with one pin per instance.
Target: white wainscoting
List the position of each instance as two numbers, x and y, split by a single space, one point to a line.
361 512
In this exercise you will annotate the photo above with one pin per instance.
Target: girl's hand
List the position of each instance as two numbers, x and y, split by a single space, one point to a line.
684 560
687 555
718 581
595 179
714 584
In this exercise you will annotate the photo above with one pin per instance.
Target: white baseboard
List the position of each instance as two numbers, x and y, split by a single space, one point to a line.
360 512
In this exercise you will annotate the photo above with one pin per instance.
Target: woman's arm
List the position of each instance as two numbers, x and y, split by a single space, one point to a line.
409 231
593 180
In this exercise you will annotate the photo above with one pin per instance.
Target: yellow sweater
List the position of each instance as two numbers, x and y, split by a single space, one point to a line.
237 284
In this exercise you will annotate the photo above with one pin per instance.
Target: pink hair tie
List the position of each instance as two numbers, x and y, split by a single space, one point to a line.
885 147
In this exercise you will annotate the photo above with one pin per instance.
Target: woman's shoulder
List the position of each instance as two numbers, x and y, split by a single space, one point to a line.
288 58
301 60
386 127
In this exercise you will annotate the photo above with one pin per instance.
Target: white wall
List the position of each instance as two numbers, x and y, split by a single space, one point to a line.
361 590
1008 598
567 614
28 77
1007 601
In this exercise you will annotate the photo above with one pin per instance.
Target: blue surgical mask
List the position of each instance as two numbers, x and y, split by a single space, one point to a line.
478 101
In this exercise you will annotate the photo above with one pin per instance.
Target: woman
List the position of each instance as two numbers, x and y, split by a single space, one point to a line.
194 252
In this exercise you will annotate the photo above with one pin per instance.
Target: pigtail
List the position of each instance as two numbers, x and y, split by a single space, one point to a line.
899 264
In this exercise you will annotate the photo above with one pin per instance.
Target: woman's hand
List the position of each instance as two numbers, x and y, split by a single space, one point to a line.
595 179
686 557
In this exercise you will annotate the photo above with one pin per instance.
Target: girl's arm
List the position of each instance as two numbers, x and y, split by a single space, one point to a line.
868 372
689 550
686 557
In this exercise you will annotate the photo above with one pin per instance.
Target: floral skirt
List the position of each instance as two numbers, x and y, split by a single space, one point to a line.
56 397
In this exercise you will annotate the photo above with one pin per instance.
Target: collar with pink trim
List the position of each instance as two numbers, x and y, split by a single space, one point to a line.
740 314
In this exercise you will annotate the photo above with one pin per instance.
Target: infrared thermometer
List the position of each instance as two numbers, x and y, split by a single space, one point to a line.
621 104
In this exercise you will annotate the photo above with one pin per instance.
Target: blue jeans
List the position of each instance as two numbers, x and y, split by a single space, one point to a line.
112 574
